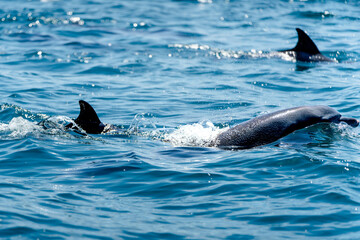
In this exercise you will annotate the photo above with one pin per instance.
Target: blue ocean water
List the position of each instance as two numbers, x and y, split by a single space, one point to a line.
174 74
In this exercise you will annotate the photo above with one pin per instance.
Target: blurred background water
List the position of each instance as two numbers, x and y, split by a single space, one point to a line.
174 73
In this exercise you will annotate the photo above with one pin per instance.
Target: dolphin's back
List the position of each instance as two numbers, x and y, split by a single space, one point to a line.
306 50
270 127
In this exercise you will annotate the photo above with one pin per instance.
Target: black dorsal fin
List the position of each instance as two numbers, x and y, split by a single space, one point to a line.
88 119
305 44
87 113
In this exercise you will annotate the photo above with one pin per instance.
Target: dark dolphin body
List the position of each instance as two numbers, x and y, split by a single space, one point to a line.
88 119
273 126
306 50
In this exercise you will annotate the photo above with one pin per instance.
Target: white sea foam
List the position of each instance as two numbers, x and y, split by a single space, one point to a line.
197 135
19 127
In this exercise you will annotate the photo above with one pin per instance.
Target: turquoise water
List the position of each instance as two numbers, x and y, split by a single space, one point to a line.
175 74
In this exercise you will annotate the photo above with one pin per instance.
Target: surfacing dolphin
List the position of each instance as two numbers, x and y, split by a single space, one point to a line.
255 132
273 126
88 120
306 50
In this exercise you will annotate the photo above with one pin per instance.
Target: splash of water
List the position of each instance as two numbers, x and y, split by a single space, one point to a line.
200 134
19 127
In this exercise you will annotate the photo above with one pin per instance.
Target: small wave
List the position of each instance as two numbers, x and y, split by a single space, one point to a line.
82 45
103 70
314 14
84 33
10 109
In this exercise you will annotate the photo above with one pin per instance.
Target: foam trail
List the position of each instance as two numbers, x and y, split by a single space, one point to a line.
196 135
19 127
226 54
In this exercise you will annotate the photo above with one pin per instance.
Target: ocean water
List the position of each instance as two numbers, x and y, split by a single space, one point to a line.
172 75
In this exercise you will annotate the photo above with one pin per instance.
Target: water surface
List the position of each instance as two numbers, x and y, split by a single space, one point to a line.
175 73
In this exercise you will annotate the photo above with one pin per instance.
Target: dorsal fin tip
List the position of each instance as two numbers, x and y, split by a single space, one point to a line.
88 120
305 44
299 30
87 112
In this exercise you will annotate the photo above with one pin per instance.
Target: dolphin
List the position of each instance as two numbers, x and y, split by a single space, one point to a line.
88 120
270 127
306 50
258 131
